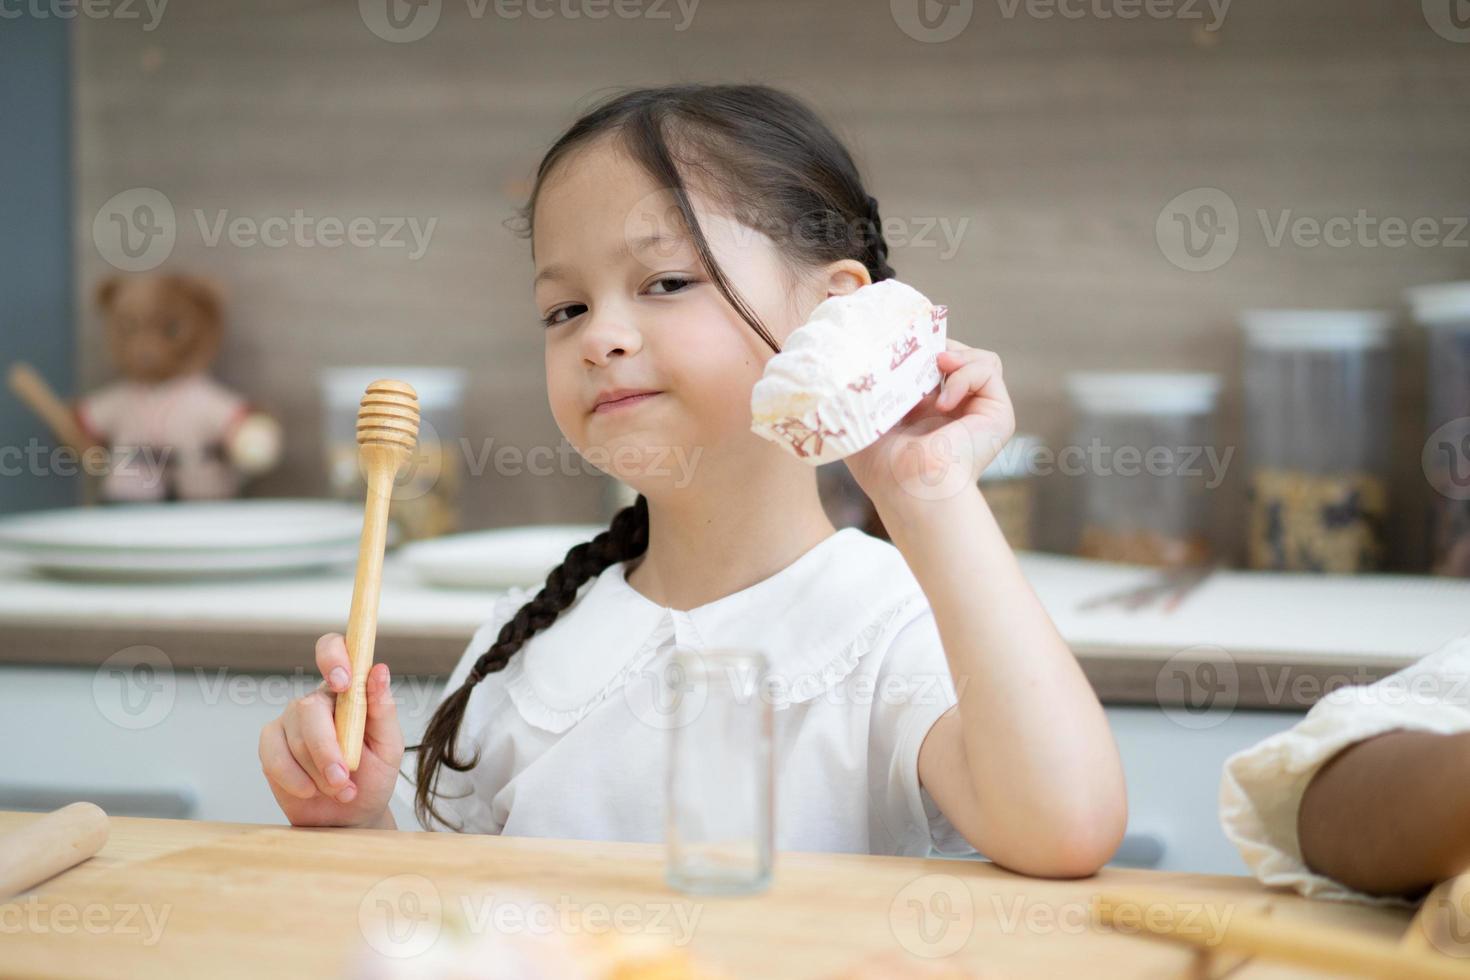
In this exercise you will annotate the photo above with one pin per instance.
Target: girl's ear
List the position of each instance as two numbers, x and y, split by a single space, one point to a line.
846 276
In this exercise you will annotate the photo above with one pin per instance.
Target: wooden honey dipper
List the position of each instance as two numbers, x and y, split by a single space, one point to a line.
387 430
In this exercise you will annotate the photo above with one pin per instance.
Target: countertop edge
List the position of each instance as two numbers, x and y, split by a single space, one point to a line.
1121 675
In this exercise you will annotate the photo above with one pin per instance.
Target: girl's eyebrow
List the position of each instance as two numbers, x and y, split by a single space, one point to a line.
643 243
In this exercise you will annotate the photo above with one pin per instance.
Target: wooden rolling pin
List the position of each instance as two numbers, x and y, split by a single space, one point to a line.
1438 927
387 431
49 845
1316 947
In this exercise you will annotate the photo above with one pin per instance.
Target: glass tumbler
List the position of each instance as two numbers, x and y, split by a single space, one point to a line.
720 794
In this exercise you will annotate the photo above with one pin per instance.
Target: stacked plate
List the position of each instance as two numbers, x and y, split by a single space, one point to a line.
185 539
501 558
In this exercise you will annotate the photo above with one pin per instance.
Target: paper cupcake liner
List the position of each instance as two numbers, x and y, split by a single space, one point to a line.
869 404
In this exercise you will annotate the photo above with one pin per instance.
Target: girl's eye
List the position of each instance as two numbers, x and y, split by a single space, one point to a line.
675 284
680 280
550 319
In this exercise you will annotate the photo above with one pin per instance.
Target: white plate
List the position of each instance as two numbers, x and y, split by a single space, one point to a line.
189 566
178 540
496 559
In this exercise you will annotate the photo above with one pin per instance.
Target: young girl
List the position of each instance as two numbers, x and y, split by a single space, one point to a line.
680 235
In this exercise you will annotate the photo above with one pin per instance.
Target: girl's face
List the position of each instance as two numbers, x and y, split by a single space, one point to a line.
627 305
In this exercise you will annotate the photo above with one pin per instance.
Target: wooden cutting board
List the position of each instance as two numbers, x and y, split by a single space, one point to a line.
174 898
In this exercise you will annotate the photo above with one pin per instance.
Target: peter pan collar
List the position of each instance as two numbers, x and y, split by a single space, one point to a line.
814 619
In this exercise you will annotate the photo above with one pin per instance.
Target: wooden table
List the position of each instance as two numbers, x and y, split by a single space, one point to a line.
178 898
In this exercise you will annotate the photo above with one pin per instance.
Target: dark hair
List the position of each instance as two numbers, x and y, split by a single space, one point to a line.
778 168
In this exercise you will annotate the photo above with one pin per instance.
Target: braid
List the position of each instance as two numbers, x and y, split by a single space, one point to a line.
877 250
627 537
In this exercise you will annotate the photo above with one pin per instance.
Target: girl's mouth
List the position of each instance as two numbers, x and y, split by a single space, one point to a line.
622 403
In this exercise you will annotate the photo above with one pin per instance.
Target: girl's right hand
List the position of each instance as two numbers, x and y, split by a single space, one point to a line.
304 765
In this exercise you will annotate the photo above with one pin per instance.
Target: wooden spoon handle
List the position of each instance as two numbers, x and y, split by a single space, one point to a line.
362 619
33 390
49 845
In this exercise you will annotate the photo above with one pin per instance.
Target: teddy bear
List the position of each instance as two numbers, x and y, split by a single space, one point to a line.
169 430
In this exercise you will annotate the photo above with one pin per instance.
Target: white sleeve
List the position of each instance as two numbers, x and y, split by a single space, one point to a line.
456 797
912 688
1262 787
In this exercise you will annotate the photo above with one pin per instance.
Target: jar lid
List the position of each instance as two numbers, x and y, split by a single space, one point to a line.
436 387
1144 392
1317 329
1016 459
1441 304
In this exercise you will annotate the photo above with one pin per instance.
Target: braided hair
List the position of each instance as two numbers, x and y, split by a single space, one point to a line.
779 169
876 258
625 538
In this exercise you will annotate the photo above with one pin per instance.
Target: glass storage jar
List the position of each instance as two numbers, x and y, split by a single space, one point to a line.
1444 310
426 492
1318 385
1142 445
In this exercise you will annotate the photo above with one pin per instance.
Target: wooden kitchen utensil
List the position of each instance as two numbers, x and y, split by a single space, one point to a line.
387 431
1336 951
1439 925
32 389
49 845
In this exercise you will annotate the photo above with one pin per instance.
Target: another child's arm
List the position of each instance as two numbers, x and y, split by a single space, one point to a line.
1352 802
1390 815
1024 766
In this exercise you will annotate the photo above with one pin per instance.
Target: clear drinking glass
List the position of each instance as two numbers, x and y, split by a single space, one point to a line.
720 802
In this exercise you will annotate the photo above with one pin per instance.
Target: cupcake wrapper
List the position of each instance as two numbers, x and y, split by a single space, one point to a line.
868 405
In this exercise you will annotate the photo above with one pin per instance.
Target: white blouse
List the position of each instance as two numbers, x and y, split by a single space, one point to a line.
568 747
1262 787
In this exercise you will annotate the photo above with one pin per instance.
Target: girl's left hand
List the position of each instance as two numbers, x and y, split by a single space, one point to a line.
945 441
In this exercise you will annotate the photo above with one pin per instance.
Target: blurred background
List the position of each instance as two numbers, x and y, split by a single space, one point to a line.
1024 167
1234 233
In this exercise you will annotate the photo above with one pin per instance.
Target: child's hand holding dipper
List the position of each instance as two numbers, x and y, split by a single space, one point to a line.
332 757
304 764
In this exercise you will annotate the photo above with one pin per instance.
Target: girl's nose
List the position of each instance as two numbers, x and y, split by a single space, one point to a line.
610 334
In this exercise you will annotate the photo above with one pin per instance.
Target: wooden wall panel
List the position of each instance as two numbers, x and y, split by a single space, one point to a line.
1058 140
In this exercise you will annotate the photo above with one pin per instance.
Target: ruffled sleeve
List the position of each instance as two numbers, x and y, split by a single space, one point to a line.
1262 787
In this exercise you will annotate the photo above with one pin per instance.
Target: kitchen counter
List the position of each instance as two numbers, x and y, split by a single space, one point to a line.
184 898
1268 640
259 624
